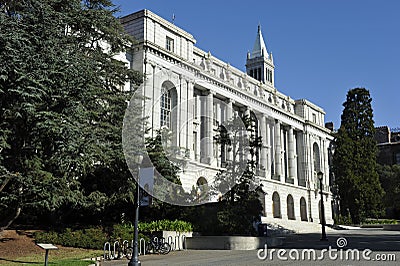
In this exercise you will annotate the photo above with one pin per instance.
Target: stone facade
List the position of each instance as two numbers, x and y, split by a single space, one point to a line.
204 90
388 145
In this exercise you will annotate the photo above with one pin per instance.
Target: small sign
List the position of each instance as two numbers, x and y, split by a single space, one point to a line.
47 246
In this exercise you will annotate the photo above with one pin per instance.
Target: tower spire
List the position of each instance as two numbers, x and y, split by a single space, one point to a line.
259 48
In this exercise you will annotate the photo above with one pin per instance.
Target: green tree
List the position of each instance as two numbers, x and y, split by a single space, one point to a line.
241 204
161 156
61 106
354 160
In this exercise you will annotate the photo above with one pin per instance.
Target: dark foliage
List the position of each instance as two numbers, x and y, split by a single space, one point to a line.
354 160
61 111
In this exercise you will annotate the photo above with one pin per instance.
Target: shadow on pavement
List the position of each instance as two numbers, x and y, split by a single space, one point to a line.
362 240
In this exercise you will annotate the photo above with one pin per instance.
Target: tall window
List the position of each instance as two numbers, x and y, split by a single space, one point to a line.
165 114
169 44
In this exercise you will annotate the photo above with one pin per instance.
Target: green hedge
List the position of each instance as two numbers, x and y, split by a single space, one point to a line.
91 238
94 238
166 225
380 221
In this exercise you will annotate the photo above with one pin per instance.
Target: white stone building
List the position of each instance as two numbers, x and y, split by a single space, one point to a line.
204 90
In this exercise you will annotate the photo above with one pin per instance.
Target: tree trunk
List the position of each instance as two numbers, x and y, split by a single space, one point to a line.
12 219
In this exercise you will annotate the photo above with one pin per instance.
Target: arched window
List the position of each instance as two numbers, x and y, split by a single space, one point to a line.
290 207
202 189
166 105
276 205
303 209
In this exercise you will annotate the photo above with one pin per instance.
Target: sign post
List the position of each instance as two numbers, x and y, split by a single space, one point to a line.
47 247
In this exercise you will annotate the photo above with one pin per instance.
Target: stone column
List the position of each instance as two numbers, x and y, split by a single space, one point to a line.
264 147
307 171
325 162
218 119
208 137
268 150
190 118
247 115
198 113
291 159
228 120
202 116
229 111
278 156
183 115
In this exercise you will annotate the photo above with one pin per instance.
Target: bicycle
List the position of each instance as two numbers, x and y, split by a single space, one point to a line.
121 251
158 246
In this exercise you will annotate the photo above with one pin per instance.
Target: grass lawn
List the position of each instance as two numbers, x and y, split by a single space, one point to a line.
63 256
19 248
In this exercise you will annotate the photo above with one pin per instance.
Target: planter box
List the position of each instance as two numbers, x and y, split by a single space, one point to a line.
177 240
391 227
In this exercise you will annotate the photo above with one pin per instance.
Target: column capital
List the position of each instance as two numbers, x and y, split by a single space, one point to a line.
262 115
190 81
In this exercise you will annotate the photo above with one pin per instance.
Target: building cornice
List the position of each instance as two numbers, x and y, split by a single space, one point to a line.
160 20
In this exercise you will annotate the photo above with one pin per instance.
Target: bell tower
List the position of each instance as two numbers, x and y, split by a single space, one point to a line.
260 64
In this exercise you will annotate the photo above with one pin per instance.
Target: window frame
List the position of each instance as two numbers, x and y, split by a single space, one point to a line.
170 44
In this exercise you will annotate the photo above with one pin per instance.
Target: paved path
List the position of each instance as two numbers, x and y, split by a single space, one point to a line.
381 243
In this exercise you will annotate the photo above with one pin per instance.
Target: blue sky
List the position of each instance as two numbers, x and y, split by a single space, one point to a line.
321 48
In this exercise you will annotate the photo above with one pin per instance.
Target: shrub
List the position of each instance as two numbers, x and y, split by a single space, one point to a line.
380 221
344 220
91 238
94 238
166 225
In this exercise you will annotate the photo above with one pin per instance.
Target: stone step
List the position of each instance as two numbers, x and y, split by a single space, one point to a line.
279 226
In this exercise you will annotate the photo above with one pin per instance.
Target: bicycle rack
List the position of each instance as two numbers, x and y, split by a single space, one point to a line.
107 256
171 242
140 246
115 255
184 242
177 242
125 246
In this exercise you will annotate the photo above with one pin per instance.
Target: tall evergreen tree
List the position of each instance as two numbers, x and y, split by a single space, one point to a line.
61 106
354 160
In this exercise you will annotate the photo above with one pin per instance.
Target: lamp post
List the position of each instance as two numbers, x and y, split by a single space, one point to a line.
323 236
135 258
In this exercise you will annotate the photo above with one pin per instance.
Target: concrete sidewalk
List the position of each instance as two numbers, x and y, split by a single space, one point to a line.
196 257
377 240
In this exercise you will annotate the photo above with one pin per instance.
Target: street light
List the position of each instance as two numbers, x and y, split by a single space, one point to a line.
138 158
323 236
